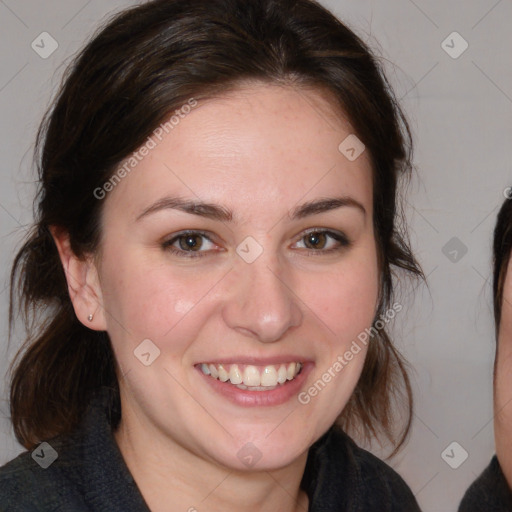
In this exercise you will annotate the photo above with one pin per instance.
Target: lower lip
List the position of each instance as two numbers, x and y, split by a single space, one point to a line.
246 398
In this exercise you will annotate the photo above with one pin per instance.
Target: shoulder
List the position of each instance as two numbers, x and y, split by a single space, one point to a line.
17 483
489 491
379 476
374 485
78 471
38 480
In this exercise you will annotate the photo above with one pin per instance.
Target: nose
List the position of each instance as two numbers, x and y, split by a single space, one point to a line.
262 304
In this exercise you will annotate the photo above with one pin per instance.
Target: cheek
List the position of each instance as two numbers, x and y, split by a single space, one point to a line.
150 301
504 362
344 300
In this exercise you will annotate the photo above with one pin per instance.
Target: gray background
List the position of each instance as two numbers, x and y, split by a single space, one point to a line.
461 114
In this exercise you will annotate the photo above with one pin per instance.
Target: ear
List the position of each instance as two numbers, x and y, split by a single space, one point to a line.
83 282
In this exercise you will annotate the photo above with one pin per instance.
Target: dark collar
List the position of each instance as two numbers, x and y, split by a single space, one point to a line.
107 484
332 477
104 477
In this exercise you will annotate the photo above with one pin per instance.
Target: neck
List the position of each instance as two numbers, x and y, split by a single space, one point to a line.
167 472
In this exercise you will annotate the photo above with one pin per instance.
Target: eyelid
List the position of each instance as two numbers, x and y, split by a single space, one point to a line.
173 236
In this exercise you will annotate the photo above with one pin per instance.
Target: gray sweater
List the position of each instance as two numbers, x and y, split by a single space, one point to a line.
489 492
89 474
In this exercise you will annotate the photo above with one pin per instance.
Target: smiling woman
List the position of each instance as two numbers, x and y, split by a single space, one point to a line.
180 316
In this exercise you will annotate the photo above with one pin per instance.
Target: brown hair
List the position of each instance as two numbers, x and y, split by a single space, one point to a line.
146 62
502 251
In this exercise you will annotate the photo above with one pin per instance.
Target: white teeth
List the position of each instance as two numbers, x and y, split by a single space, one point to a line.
253 377
213 371
281 374
223 374
234 375
269 376
290 371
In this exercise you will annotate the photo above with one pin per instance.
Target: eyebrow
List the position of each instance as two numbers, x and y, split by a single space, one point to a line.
217 212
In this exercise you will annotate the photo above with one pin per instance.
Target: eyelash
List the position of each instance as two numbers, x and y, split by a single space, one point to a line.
343 243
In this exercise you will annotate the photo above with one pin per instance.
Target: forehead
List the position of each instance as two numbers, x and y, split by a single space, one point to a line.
256 148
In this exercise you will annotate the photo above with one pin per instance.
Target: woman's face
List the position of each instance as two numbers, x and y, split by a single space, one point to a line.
277 271
503 381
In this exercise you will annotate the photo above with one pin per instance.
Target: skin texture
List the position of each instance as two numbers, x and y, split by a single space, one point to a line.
503 382
259 151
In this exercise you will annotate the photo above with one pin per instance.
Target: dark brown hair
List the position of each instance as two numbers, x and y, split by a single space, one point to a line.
145 63
502 251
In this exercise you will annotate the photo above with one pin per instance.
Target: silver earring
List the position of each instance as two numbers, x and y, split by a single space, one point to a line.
90 317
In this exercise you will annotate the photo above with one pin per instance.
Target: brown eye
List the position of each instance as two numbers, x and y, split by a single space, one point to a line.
315 240
323 241
190 245
190 242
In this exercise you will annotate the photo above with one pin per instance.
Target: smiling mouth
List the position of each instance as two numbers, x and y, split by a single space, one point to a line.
251 377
